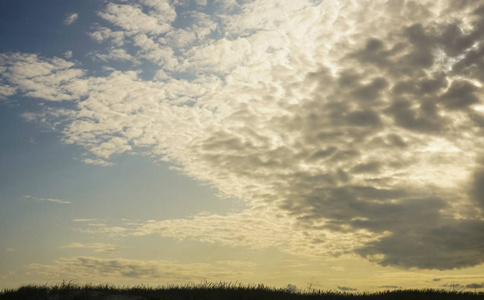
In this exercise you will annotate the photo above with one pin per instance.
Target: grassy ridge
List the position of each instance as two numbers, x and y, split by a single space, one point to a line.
209 291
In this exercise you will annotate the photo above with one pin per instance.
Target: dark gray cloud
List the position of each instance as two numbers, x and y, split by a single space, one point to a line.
89 268
390 287
441 244
475 286
477 188
349 153
346 289
423 118
371 91
371 167
363 118
460 286
460 95
472 65
396 140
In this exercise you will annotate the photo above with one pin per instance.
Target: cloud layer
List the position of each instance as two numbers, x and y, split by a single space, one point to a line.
331 126
86 268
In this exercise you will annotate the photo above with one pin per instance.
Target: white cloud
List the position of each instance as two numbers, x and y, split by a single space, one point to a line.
6 91
49 79
98 162
71 19
103 229
83 220
350 131
134 21
58 201
258 229
104 33
68 54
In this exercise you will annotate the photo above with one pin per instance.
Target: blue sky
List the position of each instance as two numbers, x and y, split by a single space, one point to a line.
264 141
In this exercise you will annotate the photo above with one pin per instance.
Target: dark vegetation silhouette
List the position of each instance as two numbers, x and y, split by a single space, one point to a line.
217 291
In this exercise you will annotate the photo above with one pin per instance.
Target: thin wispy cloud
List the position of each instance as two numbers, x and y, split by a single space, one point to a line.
58 201
129 269
346 289
71 19
84 220
96 247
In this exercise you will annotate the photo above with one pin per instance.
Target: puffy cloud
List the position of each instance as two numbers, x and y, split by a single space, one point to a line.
133 20
460 95
103 33
449 247
48 79
342 135
339 158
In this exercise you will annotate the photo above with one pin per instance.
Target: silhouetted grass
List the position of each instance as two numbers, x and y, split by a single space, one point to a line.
211 291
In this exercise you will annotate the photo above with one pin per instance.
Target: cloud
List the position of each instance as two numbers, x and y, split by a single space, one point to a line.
451 242
345 288
133 20
6 91
96 247
459 286
71 19
58 201
87 268
257 229
201 2
475 286
101 228
84 220
98 162
477 188
49 79
390 287
342 135
117 54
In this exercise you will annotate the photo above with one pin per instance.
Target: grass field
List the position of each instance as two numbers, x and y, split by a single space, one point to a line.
210 291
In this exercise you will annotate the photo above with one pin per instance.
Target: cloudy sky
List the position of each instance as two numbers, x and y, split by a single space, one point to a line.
331 144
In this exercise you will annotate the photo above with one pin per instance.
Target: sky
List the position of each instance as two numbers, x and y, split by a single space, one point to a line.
334 145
